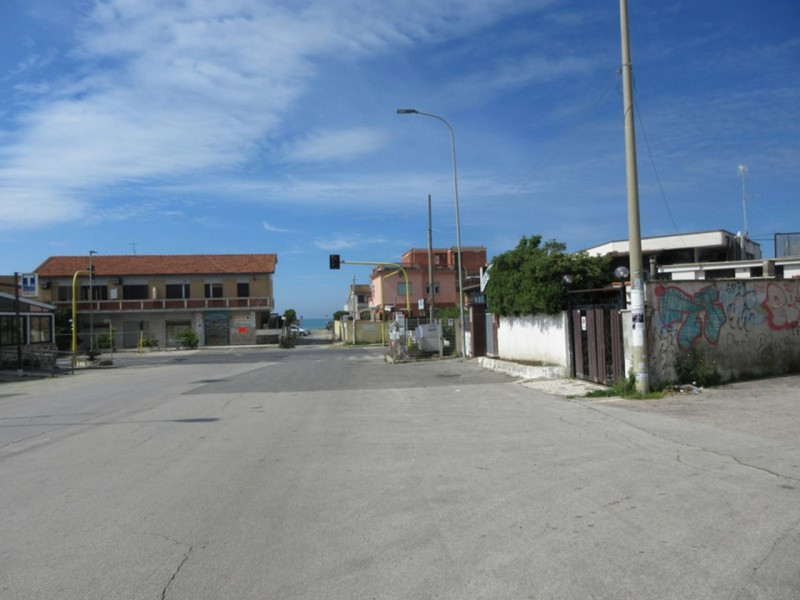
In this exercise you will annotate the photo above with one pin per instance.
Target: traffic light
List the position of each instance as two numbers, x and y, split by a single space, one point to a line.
334 260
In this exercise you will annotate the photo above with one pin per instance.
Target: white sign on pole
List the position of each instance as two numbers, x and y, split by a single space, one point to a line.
30 284
485 277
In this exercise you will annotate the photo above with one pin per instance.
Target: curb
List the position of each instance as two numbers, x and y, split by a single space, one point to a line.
526 372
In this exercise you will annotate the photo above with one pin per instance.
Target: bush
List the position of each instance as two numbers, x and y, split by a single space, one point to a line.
104 341
692 367
149 341
188 338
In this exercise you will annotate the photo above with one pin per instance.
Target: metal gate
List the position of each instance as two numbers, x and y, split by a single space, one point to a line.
596 333
216 329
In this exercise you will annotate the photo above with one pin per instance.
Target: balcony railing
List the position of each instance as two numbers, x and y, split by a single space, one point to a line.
181 304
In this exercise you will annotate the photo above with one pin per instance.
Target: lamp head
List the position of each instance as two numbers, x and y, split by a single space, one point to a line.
407 111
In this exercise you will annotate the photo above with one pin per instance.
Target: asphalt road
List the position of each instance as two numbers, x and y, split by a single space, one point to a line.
323 472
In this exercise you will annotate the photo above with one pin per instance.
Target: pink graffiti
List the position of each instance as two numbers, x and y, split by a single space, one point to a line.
782 304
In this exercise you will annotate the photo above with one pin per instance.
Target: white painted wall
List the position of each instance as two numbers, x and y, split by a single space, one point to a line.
536 337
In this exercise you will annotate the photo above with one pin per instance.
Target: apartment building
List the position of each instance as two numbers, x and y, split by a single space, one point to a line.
223 298
390 293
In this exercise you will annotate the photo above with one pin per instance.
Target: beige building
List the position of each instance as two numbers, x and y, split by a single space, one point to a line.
223 298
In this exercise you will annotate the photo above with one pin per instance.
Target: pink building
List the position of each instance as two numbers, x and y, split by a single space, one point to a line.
389 285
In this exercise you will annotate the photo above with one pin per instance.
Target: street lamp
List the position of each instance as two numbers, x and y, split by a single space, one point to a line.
414 111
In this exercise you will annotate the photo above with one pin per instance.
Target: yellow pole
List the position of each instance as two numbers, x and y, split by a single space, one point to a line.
75 317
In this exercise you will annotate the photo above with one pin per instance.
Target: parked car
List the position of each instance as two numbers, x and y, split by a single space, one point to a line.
297 330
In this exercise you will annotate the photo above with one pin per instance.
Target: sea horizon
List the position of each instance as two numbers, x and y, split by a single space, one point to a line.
314 322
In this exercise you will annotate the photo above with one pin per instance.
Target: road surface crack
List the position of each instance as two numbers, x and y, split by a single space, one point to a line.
175 574
718 453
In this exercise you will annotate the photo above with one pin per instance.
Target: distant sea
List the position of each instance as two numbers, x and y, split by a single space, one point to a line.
313 323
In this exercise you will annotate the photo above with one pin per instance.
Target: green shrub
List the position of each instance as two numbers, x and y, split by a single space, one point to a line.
104 341
692 367
188 338
149 341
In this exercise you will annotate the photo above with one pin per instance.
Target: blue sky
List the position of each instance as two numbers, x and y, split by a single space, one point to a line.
247 126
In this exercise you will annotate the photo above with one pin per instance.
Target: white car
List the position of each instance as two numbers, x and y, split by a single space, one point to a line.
297 330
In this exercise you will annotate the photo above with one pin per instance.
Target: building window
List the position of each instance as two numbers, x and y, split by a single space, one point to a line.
401 288
435 288
361 298
99 292
64 293
213 290
721 274
7 336
243 290
134 292
40 330
177 291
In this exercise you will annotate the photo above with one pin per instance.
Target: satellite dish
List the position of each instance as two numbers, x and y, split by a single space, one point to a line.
621 272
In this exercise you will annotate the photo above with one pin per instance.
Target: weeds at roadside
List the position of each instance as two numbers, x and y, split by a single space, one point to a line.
625 387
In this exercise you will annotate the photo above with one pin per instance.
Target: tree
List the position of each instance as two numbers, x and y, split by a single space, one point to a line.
290 315
530 278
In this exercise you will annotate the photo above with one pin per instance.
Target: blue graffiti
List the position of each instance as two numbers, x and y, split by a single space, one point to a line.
700 314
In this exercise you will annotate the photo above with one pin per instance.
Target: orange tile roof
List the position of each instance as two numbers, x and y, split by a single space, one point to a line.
162 264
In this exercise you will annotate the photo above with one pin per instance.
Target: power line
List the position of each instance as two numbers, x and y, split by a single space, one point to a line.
554 147
653 162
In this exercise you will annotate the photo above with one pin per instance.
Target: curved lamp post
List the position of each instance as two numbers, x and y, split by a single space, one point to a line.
413 111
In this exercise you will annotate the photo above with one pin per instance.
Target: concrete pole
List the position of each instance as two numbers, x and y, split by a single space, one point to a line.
638 325
431 292
17 324
355 309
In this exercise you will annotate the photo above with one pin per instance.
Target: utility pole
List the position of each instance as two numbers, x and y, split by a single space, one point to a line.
431 292
638 325
91 301
355 309
17 324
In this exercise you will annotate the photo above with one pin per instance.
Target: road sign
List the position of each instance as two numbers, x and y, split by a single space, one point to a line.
30 284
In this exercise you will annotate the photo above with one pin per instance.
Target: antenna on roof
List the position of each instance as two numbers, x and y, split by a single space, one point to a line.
133 245
743 173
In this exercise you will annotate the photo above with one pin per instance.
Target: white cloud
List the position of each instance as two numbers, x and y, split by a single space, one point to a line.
347 241
164 89
335 145
267 227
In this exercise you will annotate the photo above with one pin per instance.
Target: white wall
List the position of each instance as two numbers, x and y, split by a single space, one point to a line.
538 337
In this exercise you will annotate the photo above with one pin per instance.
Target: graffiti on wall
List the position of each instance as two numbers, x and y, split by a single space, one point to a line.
738 307
782 304
742 325
692 315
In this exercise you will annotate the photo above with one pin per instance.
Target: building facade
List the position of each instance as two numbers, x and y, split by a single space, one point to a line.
390 292
223 298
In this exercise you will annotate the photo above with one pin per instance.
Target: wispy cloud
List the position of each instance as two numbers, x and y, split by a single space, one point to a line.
335 145
267 227
163 90
347 241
